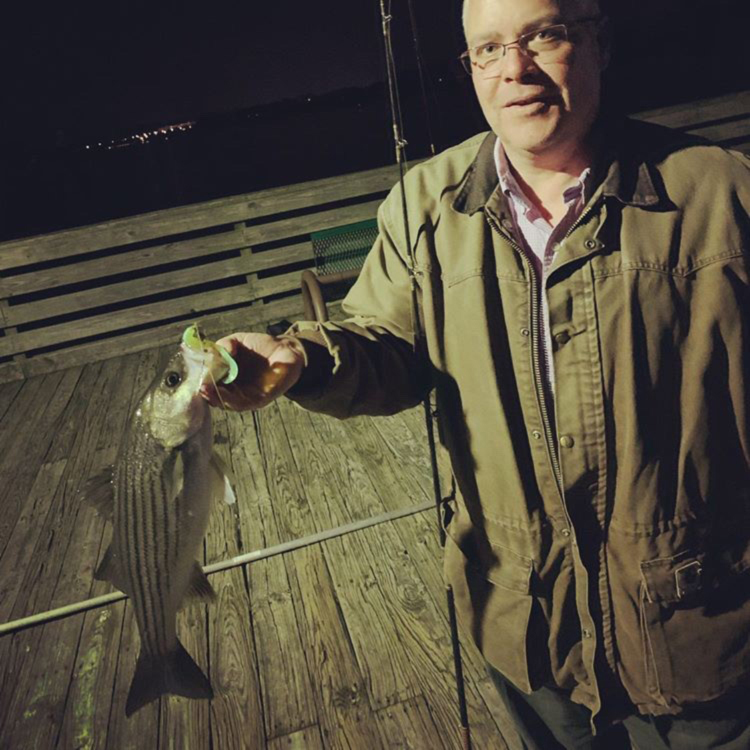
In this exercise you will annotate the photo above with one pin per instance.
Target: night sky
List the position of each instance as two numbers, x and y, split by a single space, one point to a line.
81 73
101 68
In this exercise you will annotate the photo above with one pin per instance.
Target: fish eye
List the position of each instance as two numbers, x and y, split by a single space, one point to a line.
172 380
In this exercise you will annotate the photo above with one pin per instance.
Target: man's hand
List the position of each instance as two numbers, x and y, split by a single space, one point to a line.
268 368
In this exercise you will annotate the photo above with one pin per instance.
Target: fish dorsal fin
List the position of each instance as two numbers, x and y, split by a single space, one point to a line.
224 479
109 570
98 492
199 587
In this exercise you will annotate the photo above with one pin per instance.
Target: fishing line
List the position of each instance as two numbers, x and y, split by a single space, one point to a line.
419 346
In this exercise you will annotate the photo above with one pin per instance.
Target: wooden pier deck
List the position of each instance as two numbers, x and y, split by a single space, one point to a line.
342 643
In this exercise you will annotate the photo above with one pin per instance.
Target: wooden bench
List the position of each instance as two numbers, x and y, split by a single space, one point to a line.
122 286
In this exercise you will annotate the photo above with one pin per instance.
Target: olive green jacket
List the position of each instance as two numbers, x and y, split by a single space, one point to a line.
602 541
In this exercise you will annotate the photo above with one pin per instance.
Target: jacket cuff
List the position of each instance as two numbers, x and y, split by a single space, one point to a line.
321 360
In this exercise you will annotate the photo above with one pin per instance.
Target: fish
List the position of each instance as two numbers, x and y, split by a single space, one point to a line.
158 495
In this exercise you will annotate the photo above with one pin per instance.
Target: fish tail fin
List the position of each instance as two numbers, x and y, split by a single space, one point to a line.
178 674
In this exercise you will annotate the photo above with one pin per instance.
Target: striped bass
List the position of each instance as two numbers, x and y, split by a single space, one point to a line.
158 495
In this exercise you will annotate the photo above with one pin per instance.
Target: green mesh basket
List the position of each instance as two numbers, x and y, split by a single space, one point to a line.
343 248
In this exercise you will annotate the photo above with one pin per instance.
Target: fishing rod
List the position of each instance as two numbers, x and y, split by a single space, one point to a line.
420 349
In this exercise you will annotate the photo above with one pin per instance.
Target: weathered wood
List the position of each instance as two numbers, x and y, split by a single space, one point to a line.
247 318
377 647
306 739
8 393
705 110
155 225
236 712
183 722
123 262
154 312
22 542
27 440
142 729
409 726
340 688
263 487
175 280
86 721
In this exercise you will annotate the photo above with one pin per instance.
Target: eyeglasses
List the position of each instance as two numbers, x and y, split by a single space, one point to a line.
547 44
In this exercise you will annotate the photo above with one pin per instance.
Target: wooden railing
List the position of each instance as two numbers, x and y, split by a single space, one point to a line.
94 292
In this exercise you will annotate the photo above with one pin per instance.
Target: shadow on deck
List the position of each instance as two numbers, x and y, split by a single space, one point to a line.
338 643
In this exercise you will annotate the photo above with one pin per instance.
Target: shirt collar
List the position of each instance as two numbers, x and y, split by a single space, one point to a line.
510 187
622 171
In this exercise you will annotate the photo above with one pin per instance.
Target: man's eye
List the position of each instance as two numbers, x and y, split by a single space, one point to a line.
487 50
553 34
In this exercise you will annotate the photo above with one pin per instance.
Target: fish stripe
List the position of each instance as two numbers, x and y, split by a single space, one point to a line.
158 498
150 568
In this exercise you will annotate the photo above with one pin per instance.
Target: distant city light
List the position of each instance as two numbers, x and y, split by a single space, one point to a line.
162 133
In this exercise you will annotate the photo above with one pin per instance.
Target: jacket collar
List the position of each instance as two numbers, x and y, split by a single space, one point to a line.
621 170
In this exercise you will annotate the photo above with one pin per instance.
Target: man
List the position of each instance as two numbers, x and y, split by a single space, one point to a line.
583 287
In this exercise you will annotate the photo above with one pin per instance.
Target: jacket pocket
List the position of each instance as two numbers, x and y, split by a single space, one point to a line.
491 588
695 628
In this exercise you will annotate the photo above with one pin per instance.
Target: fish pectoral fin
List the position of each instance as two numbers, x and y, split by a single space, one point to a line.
177 674
175 474
109 570
224 479
98 492
199 587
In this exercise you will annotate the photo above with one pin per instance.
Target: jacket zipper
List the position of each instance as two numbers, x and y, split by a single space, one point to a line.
535 355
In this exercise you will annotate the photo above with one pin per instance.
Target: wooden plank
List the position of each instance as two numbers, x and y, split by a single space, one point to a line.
691 113
335 497
86 721
142 729
174 280
48 665
8 393
153 312
340 688
409 726
264 483
306 739
237 712
26 444
135 260
26 531
11 371
725 131
183 722
246 318
150 226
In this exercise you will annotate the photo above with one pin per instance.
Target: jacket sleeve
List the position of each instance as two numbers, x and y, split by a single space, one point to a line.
366 364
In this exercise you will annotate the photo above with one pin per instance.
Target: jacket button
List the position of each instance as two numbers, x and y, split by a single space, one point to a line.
536 435
567 442
525 332
565 532
586 633
562 338
591 244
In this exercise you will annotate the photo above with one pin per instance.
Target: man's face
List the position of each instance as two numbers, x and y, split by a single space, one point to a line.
533 106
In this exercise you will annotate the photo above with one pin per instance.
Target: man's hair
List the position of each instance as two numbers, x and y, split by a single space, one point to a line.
595 6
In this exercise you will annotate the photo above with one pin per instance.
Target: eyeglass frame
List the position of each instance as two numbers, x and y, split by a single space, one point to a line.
469 68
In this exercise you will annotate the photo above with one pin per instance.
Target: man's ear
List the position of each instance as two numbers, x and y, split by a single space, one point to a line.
605 40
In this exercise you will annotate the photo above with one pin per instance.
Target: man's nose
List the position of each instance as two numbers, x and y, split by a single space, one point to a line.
515 63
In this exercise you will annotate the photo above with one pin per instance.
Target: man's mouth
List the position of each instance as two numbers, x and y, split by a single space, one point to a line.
524 101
